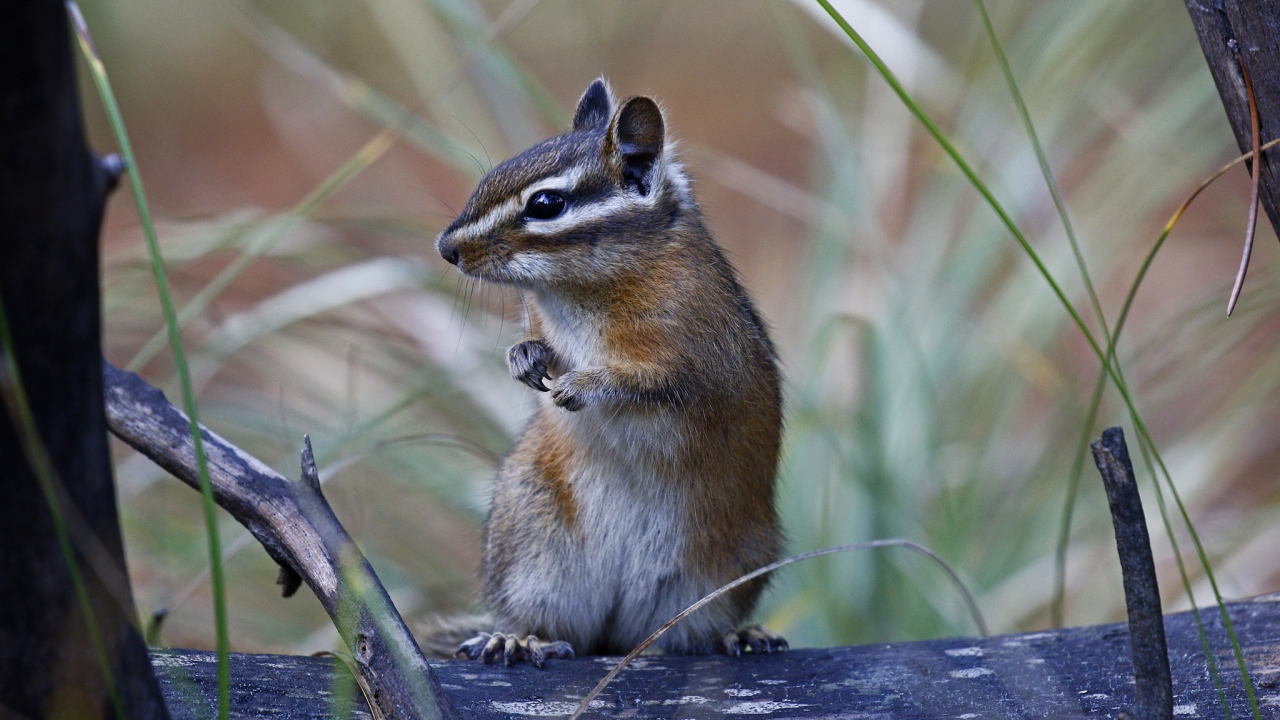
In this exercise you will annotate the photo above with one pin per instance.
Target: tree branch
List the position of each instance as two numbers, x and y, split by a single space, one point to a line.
1246 33
298 529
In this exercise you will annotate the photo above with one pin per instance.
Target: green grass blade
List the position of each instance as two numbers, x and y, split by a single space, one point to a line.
15 396
342 688
99 72
1043 160
1147 446
363 158
1186 581
1056 609
1077 465
351 90
466 21
1146 442
361 97
950 149
1109 366
1213 583
360 597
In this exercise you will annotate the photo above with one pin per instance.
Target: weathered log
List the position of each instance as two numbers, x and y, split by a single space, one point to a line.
1248 31
1061 674
52 191
295 524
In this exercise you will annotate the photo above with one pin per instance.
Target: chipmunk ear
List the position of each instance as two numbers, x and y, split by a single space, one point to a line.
595 107
636 140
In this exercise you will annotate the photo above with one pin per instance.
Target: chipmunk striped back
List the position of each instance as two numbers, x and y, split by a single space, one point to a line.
646 477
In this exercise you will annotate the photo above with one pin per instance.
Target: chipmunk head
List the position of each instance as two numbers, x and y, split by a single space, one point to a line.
576 208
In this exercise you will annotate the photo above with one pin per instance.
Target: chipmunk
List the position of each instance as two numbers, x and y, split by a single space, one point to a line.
645 479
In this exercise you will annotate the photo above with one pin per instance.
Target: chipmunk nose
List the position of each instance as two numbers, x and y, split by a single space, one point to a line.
448 251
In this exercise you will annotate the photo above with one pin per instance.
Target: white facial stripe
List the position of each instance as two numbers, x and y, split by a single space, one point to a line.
489 220
581 214
565 182
575 214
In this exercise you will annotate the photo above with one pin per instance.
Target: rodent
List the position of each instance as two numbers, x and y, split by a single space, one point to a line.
646 477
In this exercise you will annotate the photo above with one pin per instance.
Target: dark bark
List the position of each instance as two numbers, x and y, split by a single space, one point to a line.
1232 31
295 524
1068 674
1153 687
52 192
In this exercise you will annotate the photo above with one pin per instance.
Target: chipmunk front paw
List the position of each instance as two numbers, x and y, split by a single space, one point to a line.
488 646
571 390
528 363
755 638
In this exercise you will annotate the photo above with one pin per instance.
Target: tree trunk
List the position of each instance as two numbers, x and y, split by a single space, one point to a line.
52 192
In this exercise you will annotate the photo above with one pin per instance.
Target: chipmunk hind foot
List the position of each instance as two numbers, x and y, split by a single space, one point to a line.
440 635
755 639
487 647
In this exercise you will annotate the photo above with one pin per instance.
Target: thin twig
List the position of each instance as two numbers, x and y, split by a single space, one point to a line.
1257 186
892 542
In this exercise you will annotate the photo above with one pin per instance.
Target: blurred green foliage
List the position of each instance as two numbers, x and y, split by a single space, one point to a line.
935 388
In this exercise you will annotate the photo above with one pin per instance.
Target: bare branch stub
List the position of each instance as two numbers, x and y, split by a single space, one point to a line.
1154 684
298 529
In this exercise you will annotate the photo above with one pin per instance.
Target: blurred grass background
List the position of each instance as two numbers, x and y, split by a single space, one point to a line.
303 155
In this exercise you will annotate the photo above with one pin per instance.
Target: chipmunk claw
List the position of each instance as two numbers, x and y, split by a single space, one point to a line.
472 648
528 363
488 647
569 391
538 651
755 638
566 400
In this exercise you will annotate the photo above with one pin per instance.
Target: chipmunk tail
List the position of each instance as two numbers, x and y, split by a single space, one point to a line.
440 636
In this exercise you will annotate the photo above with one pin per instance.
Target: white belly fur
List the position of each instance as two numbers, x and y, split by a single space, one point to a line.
625 573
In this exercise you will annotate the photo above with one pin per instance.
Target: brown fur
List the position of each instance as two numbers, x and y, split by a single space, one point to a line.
551 457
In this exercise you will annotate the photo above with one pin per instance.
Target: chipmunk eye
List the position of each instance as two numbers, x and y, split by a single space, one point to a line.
544 205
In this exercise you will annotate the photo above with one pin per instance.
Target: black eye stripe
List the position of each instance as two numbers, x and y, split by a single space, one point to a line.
544 205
